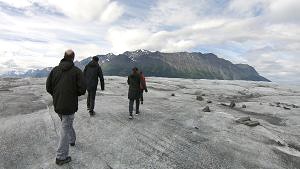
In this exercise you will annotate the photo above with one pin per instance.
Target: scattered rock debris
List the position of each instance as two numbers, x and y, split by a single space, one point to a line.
232 104
173 94
244 106
286 106
294 146
203 95
247 121
196 127
223 104
243 119
206 109
209 101
280 143
200 98
251 123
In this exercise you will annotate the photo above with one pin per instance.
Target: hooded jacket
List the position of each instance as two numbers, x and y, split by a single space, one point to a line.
65 83
92 72
134 81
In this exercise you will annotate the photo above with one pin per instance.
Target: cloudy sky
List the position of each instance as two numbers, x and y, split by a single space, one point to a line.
262 33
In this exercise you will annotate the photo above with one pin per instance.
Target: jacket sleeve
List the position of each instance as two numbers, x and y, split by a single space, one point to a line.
49 86
145 84
100 74
81 86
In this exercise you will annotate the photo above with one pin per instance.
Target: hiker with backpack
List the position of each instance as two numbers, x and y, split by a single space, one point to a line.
66 83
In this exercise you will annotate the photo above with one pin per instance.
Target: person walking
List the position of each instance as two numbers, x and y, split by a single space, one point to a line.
92 72
65 83
134 81
143 87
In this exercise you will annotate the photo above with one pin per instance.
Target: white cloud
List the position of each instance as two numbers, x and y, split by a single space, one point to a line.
130 39
88 10
112 12
126 39
40 41
285 10
18 3
245 26
264 33
175 12
276 65
102 10
242 8
28 55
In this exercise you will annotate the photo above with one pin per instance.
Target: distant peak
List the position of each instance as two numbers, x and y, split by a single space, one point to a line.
138 51
110 54
142 50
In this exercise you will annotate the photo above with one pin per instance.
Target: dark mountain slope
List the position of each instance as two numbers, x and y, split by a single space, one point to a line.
181 64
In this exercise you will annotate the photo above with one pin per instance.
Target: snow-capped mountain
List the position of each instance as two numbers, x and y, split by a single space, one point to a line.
180 64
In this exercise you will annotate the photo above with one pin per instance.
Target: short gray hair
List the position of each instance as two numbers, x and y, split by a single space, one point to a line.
69 54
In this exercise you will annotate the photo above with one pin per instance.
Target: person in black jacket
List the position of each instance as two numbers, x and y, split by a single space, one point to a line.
65 83
134 92
92 72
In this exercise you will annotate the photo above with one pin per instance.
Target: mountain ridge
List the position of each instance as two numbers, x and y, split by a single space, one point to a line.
194 65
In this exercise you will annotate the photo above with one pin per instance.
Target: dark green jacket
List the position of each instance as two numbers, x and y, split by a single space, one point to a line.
134 81
65 83
92 72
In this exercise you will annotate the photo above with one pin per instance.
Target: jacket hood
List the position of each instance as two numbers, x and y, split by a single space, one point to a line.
66 64
135 74
93 64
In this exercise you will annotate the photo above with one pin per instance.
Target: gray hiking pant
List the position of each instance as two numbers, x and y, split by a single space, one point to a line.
67 136
131 102
91 99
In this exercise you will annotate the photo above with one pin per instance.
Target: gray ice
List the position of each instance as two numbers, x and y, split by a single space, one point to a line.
172 131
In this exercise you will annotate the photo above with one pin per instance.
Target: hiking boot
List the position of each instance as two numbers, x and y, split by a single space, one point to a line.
72 144
62 162
130 117
137 113
92 113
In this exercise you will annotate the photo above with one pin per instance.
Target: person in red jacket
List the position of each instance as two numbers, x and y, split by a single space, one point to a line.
143 87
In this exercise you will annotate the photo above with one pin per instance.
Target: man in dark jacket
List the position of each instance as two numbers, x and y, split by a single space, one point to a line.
92 72
134 81
65 83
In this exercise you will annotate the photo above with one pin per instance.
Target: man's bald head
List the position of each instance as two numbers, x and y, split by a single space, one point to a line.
69 54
